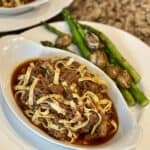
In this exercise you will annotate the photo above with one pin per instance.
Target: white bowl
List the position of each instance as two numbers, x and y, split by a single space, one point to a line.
22 8
16 49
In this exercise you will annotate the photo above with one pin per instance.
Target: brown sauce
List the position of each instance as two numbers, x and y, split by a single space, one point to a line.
21 69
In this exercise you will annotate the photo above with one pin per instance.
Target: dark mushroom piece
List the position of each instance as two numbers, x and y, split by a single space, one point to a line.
47 43
112 71
99 58
63 41
92 41
123 79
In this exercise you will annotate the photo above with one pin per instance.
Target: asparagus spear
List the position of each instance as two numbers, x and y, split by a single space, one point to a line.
128 97
115 53
77 38
73 25
52 29
58 32
81 31
139 95
50 44
134 92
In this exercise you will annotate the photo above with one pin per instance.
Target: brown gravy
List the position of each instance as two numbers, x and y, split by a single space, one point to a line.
21 69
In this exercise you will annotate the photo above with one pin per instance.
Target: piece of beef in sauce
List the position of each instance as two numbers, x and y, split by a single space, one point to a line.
90 86
68 75
92 121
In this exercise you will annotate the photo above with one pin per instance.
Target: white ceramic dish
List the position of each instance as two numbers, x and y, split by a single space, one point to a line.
22 8
35 16
15 49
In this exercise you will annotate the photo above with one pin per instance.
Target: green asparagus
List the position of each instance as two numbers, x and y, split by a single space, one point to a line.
77 38
128 97
52 29
73 25
139 95
115 53
134 91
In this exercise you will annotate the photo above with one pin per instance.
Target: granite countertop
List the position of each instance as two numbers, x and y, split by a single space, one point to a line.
130 15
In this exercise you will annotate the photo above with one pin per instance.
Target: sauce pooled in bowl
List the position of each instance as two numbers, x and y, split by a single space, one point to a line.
64 99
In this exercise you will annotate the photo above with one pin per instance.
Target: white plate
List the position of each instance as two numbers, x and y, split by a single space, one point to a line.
130 46
33 17
19 49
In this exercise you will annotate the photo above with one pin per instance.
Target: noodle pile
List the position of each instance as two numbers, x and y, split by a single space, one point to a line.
64 98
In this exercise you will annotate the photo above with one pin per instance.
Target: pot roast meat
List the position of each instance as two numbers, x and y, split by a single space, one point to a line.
57 134
90 86
57 89
92 121
70 113
101 132
41 88
71 76
68 94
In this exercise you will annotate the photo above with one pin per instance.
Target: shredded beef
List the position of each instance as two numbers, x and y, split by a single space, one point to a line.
70 76
92 121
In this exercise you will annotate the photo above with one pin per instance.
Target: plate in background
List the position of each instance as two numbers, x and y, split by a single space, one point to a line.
35 16
22 8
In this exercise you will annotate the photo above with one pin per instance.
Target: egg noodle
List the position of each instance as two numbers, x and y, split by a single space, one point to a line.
50 110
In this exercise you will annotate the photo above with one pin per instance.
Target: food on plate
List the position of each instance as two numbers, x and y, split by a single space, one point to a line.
100 50
13 3
63 41
66 100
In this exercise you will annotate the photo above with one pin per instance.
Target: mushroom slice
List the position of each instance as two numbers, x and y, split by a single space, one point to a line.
92 40
63 41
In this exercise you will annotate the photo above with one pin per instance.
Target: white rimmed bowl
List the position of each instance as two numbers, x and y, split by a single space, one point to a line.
22 8
16 49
